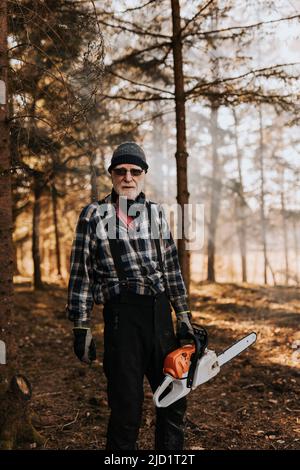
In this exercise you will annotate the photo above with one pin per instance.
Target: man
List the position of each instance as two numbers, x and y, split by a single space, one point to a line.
135 278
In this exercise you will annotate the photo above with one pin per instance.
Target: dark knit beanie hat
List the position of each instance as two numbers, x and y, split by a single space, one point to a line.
129 152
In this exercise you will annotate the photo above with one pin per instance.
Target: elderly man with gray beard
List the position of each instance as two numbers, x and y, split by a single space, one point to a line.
137 279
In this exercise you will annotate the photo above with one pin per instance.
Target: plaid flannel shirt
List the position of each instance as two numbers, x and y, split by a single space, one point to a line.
93 277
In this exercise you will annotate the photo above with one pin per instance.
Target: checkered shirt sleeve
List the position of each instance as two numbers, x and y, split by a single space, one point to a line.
80 298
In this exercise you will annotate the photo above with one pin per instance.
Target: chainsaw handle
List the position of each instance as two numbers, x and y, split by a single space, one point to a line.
194 359
200 339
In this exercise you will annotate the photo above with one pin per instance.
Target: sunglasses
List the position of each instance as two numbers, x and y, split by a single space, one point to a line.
123 171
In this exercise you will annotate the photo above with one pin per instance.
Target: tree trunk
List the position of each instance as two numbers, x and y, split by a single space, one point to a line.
284 229
94 178
15 417
56 232
240 205
37 191
239 209
6 245
215 197
296 248
12 409
181 148
13 145
160 164
16 270
262 195
216 184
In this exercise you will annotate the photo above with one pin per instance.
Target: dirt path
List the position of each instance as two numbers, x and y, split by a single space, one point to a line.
252 404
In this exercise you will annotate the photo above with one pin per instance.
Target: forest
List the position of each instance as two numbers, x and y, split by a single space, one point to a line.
210 90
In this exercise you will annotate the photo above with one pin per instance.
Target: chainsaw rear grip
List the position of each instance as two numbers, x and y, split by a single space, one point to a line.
200 339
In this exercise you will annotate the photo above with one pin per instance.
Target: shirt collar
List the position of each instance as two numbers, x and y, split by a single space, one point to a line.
111 199
140 199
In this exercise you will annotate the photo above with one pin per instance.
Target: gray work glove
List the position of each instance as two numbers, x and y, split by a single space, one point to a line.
184 330
84 345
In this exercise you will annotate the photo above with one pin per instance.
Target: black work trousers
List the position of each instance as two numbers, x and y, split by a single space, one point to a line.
138 335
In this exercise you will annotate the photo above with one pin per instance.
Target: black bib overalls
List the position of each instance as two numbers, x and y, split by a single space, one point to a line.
138 334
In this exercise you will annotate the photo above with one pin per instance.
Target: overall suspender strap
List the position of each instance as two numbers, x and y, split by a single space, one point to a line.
116 255
156 240
116 252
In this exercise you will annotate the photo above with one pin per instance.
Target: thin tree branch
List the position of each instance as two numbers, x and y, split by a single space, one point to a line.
138 8
141 100
140 84
244 27
31 116
136 53
196 15
223 80
134 31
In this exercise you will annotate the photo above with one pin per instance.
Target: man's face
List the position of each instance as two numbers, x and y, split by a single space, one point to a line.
128 185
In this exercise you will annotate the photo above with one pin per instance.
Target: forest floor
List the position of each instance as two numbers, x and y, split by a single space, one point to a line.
253 403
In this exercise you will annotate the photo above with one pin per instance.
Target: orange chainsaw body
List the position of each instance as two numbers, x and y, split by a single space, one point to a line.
177 363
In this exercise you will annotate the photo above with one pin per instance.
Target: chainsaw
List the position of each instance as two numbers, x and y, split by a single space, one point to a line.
194 364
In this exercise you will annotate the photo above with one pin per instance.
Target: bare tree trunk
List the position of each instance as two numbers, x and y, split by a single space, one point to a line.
56 232
215 197
16 270
37 191
216 184
160 164
296 248
239 209
284 229
272 272
13 152
11 409
94 179
16 426
181 148
240 205
6 223
262 195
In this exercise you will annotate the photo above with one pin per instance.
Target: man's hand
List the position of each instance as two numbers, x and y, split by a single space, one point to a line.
185 332
84 345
